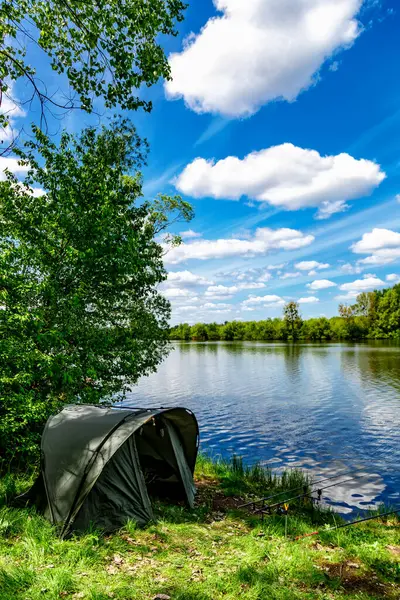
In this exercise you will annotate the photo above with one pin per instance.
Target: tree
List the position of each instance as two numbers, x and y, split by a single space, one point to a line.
104 48
292 318
199 332
346 311
366 305
387 322
213 333
81 316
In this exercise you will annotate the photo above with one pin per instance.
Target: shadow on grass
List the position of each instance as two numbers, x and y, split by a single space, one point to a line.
15 581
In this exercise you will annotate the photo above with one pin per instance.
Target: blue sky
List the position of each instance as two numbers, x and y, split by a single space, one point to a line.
281 127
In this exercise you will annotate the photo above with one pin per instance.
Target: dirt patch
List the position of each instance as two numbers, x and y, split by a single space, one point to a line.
353 579
209 494
394 550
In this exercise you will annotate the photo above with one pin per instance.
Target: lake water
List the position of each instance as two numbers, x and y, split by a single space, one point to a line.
327 408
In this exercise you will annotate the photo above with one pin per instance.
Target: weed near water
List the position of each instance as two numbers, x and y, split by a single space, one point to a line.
214 552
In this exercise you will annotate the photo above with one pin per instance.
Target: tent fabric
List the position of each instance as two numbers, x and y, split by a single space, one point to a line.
98 461
119 494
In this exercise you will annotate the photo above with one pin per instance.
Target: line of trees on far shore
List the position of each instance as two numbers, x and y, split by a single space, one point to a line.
375 315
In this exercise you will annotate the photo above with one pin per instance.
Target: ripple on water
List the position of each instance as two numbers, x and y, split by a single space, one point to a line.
322 408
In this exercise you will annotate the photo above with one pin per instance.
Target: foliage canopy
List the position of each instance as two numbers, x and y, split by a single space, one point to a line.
81 317
374 315
104 48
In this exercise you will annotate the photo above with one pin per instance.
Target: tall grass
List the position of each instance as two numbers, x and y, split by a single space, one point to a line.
237 478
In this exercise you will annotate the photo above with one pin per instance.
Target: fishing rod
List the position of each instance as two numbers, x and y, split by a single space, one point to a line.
386 514
300 487
318 490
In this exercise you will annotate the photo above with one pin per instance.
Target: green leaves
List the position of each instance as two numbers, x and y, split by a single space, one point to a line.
106 48
81 316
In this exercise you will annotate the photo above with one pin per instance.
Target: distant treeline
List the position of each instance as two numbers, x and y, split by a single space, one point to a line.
375 315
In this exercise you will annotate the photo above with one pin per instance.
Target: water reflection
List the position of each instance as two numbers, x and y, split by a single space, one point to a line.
325 408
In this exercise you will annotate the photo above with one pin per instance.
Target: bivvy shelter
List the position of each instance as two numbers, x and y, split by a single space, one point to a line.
99 464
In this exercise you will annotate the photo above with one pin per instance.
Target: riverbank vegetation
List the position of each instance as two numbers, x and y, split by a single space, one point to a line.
215 552
374 315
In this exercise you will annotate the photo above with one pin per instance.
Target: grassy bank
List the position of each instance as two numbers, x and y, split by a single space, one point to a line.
214 552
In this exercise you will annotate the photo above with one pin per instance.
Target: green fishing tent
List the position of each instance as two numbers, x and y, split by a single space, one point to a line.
100 464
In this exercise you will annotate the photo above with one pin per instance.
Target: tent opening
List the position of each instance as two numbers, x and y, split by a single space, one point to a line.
158 461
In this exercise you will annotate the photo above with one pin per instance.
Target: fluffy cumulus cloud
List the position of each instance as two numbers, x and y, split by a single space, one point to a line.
173 293
263 241
311 265
259 274
321 284
225 290
190 234
12 110
216 306
257 51
185 278
382 245
12 165
350 269
393 278
308 300
270 300
285 176
366 284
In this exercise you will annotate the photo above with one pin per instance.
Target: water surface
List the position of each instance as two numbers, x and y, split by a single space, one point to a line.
326 408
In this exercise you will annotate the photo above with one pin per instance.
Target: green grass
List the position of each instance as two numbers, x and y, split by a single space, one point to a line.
214 552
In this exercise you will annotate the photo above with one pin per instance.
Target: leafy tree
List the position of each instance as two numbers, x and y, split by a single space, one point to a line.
105 48
292 318
213 333
366 305
199 332
81 316
316 329
182 332
387 322
346 311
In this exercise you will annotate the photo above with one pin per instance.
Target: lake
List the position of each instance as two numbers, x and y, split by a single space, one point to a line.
327 408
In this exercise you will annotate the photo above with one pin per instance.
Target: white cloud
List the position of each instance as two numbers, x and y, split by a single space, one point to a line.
258 275
177 293
12 165
290 275
223 290
321 284
350 269
383 245
276 267
177 278
308 300
263 241
350 296
190 234
393 278
397 197
311 265
187 308
217 306
12 110
258 51
266 300
368 283
264 277
284 176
